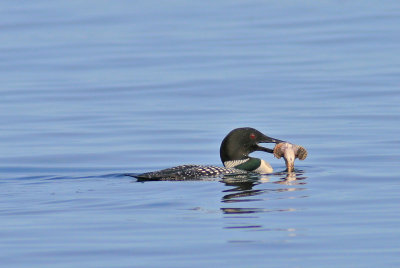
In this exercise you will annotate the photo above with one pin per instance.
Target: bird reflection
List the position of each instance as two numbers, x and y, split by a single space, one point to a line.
243 191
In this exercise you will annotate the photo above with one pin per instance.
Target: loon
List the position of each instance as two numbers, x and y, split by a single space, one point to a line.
234 152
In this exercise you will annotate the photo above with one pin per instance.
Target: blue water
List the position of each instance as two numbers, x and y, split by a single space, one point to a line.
91 90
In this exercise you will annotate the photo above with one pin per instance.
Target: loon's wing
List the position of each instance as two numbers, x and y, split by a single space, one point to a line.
188 172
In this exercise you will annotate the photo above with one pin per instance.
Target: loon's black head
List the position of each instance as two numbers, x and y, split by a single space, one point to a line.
240 142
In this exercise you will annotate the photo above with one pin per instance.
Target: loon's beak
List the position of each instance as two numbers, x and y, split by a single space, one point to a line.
266 139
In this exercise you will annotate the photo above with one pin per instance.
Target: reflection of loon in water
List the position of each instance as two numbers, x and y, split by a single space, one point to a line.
243 192
234 153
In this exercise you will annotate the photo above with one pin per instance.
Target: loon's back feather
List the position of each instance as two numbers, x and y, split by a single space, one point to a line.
189 172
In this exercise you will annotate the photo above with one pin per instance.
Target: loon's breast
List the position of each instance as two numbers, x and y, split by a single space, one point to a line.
190 172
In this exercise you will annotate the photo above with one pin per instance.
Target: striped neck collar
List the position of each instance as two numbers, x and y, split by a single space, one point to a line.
250 164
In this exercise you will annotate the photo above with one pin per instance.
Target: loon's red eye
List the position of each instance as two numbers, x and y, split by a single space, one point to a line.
252 136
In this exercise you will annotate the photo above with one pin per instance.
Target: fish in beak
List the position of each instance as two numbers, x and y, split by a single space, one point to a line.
290 152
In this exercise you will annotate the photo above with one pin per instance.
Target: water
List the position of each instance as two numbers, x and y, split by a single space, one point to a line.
92 90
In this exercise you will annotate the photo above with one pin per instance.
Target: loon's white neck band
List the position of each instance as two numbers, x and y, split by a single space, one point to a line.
264 167
234 163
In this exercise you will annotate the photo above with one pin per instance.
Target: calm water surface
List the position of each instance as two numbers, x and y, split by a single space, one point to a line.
92 90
